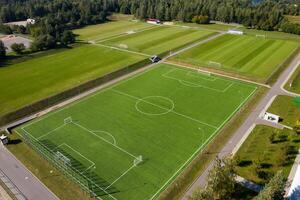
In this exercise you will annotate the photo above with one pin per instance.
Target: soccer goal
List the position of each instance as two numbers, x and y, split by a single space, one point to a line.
261 36
60 157
138 160
201 72
213 63
68 120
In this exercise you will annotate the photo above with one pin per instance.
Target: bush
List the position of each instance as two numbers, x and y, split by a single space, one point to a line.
200 19
18 48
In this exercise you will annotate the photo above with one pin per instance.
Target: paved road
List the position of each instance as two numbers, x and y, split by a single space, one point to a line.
30 186
245 129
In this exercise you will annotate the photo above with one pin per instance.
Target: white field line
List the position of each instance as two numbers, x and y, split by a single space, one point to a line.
195 74
219 74
48 133
195 84
123 34
158 106
107 133
204 144
111 196
124 173
119 148
124 50
91 162
89 96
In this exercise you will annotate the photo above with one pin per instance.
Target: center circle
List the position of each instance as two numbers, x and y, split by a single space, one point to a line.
154 105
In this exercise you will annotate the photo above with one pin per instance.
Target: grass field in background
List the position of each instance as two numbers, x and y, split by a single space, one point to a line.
26 82
293 84
166 114
159 39
271 34
259 149
110 29
247 55
213 27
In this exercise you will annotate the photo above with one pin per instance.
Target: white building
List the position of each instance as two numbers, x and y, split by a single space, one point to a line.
30 21
235 32
271 118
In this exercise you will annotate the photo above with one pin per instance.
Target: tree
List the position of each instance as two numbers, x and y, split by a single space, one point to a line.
2 50
199 19
18 48
275 189
67 38
220 182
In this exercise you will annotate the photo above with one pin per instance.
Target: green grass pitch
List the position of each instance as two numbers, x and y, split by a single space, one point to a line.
48 74
108 30
165 114
247 55
159 39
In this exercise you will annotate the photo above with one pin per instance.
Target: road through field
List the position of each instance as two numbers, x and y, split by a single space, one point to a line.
241 134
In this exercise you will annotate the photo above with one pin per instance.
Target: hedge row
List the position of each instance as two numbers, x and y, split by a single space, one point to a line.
55 99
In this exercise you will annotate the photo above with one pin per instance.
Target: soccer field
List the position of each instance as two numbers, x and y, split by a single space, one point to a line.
248 55
111 29
130 140
158 40
47 74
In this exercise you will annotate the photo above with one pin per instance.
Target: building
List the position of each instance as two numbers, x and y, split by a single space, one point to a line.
271 118
154 21
30 21
4 139
235 32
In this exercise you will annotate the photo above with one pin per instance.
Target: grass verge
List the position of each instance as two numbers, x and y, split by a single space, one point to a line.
266 151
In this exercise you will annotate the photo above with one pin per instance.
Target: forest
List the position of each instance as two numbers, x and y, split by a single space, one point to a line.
55 18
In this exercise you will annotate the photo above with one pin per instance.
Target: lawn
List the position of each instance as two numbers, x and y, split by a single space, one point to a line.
212 26
158 40
286 108
37 78
259 158
145 115
110 29
246 55
293 84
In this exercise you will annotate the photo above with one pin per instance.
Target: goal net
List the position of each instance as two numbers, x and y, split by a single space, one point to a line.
261 36
138 160
213 63
68 120
62 158
201 72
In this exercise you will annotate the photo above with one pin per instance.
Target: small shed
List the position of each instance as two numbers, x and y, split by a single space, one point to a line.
4 139
271 117
235 32
154 21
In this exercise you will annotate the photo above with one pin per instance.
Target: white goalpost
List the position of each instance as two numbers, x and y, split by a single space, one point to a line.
68 120
138 160
203 72
261 36
213 63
